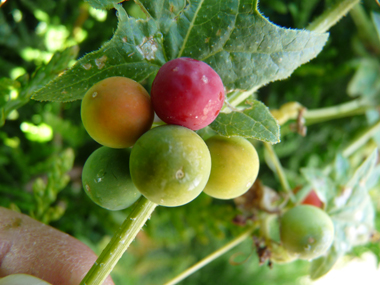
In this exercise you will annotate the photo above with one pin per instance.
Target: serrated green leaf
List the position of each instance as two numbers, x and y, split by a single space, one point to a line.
39 78
254 122
322 265
321 183
103 4
135 51
57 64
231 36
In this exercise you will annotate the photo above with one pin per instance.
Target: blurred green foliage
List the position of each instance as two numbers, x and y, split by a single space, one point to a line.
39 140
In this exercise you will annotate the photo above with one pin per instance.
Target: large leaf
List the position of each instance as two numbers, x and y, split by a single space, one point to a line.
254 122
241 45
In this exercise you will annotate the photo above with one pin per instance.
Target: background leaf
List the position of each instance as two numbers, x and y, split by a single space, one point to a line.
133 52
376 21
254 122
103 4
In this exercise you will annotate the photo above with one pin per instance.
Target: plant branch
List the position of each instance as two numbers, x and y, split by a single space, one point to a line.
366 28
239 239
279 170
357 143
119 242
331 16
361 140
354 107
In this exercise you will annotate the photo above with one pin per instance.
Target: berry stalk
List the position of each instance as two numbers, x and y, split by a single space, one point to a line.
119 242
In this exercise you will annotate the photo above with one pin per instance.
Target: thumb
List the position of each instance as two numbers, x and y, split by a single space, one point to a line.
30 247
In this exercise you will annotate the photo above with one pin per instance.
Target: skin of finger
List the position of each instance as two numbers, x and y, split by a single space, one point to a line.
30 247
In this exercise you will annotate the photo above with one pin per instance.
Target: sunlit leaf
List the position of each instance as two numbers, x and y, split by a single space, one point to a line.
254 122
244 48
103 4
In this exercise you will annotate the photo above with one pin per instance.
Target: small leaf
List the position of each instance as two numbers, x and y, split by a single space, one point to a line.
254 122
366 78
57 64
135 51
323 264
341 169
244 48
321 183
103 4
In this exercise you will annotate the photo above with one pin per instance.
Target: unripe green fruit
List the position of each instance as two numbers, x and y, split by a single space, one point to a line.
306 231
106 179
116 112
234 167
170 165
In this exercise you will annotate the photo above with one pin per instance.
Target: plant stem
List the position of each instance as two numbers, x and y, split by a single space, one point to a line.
239 239
238 97
331 16
361 140
279 170
366 28
354 107
357 143
119 242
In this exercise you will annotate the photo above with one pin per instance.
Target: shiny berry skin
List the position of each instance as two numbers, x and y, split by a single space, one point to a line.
187 92
170 165
116 112
306 231
106 179
234 167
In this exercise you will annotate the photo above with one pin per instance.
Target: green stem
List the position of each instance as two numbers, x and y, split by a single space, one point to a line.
238 97
331 16
119 242
366 28
355 107
279 170
361 140
239 239
357 143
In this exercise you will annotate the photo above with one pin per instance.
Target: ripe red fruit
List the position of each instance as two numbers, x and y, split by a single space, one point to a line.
311 199
187 92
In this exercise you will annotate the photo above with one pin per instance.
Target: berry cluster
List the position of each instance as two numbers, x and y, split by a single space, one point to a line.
170 165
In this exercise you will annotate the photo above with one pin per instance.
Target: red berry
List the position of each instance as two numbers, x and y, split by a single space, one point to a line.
312 199
187 92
